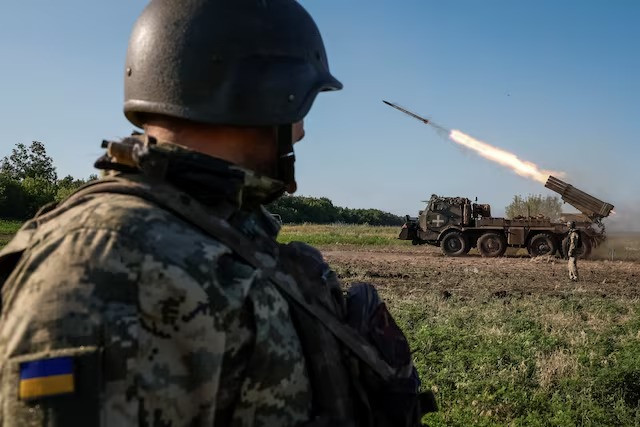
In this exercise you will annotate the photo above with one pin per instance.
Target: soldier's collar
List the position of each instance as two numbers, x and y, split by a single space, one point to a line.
206 178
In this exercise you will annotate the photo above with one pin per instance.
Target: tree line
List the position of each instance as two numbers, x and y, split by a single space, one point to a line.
29 180
300 209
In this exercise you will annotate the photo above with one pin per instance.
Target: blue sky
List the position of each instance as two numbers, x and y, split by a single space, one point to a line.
555 82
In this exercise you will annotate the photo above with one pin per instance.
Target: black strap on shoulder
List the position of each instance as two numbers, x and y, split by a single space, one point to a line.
188 209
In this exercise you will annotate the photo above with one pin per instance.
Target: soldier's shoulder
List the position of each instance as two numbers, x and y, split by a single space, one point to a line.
124 214
118 212
121 226
139 225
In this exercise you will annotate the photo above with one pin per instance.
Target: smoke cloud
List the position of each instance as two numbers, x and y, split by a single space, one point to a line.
625 219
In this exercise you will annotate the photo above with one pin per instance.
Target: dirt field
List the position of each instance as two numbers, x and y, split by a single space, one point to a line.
423 269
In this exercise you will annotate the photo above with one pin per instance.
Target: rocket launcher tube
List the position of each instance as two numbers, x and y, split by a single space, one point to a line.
590 206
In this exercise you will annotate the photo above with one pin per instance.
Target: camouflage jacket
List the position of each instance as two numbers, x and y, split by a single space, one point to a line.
146 319
574 243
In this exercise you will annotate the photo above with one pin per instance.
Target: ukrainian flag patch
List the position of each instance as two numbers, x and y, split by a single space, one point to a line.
46 377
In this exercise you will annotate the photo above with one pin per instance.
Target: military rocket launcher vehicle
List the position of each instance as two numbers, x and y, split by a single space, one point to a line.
456 225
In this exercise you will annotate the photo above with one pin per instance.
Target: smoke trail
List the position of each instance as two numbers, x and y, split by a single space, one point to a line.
521 167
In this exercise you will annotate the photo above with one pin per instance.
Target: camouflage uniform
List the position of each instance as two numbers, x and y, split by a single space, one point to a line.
574 243
165 324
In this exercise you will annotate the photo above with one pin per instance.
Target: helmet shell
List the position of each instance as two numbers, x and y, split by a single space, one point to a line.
233 62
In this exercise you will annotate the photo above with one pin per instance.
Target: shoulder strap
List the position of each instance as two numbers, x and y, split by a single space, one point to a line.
188 209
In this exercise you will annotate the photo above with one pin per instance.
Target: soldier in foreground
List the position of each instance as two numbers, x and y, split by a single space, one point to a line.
574 244
158 295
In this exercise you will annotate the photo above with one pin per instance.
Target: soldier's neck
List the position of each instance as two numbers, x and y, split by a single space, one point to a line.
249 147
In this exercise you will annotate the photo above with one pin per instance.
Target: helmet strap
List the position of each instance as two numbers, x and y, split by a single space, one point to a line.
286 158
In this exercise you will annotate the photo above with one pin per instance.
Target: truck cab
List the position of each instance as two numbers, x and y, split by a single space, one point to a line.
443 214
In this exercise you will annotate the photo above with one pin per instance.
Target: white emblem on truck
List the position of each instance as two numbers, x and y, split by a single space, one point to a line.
438 221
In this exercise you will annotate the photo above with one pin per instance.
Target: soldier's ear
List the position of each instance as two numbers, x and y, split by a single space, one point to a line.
298 131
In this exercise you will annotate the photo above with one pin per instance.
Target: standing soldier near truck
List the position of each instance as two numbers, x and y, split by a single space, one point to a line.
574 244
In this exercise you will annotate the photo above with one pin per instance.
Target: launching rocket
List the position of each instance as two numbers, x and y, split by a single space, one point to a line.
414 115
488 151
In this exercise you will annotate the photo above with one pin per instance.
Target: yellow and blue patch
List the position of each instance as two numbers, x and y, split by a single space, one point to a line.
46 377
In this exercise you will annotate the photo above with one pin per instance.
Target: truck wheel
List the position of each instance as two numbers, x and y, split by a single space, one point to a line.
491 245
454 243
583 251
542 244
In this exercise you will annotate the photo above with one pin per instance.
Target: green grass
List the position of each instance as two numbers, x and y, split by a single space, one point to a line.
341 234
9 226
534 360
540 358
7 229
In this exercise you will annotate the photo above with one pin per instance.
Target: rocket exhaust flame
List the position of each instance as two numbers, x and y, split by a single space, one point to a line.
502 157
521 167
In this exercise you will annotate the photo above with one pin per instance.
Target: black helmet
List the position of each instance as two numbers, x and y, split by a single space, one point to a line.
235 62
571 224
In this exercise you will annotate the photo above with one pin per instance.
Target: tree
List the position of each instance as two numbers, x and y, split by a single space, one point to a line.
28 180
534 205
31 162
67 185
37 192
12 197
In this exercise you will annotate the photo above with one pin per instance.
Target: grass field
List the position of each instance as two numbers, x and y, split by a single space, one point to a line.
341 234
507 341
526 359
